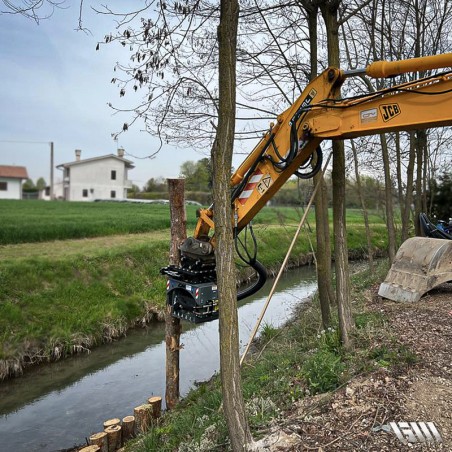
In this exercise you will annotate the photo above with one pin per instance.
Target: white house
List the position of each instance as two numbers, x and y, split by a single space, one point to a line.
102 177
11 178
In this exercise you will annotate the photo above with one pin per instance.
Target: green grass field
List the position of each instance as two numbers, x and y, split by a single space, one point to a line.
69 290
40 221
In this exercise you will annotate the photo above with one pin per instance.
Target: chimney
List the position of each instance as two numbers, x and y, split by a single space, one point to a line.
78 153
121 152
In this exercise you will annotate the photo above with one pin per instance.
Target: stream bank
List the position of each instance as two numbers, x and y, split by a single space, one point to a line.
67 297
290 364
304 392
57 405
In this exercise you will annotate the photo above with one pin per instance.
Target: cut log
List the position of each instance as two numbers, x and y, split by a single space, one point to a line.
92 448
99 439
156 403
128 428
143 416
114 437
110 422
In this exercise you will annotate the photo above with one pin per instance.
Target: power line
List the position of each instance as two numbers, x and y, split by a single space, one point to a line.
21 141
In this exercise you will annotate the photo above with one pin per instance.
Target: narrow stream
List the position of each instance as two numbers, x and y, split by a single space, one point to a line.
56 406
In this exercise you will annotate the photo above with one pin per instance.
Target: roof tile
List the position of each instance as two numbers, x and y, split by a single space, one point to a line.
13 172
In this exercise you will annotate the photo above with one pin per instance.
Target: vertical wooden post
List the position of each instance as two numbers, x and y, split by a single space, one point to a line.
143 418
114 433
173 327
99 439
156 403
111 422
128 427
92 448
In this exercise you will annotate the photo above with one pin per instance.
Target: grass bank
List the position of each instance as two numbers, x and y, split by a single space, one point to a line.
288 364
50 308
63 297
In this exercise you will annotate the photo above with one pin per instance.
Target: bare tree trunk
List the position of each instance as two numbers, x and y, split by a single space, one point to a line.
363 206
173 327
421 143
233 404
421 136
406 213
404 198
388 199
400 194
425 172
323 254
329 12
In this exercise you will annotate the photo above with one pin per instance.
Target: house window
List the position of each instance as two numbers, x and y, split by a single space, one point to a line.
47 191
113 194
85 192
3 186
113 174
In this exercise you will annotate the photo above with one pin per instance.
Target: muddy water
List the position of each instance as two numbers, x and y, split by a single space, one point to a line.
58 405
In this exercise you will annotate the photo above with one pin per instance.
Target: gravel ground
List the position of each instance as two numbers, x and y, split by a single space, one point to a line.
356 417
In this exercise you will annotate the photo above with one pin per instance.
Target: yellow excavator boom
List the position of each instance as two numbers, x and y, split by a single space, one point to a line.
292 146
318 114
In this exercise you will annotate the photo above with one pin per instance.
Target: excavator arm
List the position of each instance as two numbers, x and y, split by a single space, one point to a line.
292 146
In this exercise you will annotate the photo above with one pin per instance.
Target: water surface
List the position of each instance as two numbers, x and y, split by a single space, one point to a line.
57 405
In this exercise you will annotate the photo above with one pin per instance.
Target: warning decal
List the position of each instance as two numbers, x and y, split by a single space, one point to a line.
263 185
246 193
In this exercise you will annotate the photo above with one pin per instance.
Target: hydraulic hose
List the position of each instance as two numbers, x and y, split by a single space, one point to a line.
262 277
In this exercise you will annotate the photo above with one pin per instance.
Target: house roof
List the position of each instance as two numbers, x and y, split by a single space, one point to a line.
128 163
13 172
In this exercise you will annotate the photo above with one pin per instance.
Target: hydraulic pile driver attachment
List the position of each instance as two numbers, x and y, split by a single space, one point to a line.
291 146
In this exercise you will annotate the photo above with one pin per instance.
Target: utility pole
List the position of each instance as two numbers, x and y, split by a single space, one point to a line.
51 171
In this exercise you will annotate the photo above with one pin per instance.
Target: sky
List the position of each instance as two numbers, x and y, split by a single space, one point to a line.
55 87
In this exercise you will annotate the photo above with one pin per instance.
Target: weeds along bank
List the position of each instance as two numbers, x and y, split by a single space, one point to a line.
64 297
287 365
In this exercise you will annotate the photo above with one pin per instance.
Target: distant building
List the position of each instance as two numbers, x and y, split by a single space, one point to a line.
11 178
104 177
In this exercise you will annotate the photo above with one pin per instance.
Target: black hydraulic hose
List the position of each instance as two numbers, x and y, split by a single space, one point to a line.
306 163
262 277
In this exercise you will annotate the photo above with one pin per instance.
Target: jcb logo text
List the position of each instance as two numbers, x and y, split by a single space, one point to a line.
389 111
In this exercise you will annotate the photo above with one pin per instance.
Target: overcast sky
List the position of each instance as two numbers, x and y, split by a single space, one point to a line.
55 87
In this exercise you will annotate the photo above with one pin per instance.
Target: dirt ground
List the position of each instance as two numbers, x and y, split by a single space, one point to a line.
356 417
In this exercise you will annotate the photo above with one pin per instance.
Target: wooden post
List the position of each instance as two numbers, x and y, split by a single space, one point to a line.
114 437
90 449
156 403
173 327
111 422
143 418
99 439
128 428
